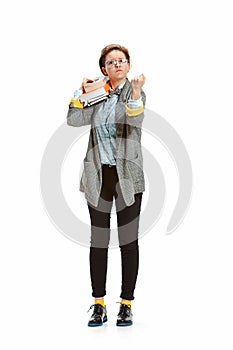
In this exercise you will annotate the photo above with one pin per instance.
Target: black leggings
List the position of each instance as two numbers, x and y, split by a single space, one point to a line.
128 224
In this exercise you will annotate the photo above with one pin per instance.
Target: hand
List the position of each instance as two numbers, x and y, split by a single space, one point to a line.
84 81
136 85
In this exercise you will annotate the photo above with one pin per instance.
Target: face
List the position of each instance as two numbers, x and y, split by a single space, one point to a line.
116 72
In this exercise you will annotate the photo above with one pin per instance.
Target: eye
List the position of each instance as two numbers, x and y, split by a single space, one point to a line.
110 63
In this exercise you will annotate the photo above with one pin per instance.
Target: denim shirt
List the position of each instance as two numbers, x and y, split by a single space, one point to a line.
106 127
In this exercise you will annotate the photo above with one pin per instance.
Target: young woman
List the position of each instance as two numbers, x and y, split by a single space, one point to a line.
113 169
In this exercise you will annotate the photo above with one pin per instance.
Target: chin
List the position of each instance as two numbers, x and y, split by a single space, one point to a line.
121 75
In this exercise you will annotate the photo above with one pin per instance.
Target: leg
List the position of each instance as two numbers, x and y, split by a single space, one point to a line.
100 235
128 224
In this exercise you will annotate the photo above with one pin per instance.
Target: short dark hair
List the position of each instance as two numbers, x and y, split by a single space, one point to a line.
110 48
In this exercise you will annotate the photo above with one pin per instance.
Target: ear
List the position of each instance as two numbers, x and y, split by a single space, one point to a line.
104 71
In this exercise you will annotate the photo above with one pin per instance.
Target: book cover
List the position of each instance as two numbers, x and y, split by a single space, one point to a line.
93 94
91 85
96 100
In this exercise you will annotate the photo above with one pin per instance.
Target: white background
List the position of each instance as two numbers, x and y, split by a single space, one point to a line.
184 293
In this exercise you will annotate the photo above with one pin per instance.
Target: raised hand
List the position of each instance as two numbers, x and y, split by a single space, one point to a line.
136 85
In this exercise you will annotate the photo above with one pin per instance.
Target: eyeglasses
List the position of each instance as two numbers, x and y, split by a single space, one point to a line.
116 62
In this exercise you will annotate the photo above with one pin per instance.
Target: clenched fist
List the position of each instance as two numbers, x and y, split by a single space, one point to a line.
136 85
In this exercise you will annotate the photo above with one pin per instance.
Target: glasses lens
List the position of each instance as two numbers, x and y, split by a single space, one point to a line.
115 62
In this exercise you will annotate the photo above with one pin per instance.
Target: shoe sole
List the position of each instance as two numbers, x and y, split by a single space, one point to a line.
124 324
98 325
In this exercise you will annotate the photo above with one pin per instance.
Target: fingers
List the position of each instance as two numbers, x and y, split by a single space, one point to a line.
142 78
139 80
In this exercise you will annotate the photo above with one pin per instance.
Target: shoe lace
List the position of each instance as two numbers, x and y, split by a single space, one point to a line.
124 310
97 309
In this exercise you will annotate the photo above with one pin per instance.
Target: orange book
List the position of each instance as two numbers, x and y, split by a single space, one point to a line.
91 85
96 93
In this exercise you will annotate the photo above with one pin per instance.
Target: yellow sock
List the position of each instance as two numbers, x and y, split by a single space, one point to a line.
100 301
126 302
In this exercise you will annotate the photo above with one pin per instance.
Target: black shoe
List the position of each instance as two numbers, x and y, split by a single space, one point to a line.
99 316
125 316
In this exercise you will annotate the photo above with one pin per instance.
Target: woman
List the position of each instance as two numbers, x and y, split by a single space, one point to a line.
113 169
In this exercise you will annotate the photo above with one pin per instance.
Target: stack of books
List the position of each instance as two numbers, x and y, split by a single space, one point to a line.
94 91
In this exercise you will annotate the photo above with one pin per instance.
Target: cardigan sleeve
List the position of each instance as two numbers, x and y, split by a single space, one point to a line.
135 116
79 116
133 110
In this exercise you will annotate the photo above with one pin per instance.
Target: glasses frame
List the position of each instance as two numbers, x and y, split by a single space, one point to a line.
112 63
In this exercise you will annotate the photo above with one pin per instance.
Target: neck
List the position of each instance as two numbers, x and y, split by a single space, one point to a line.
116 83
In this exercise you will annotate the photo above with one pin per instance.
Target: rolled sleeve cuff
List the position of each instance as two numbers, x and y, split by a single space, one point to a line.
133 104
132 112
75 102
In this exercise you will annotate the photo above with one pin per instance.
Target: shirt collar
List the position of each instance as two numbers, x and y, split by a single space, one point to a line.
117 91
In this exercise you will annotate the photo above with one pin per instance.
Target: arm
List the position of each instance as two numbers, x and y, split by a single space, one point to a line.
135 106
135 113
136 86
79 116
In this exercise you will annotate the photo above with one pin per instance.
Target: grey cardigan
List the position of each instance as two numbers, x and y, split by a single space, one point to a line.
129 161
